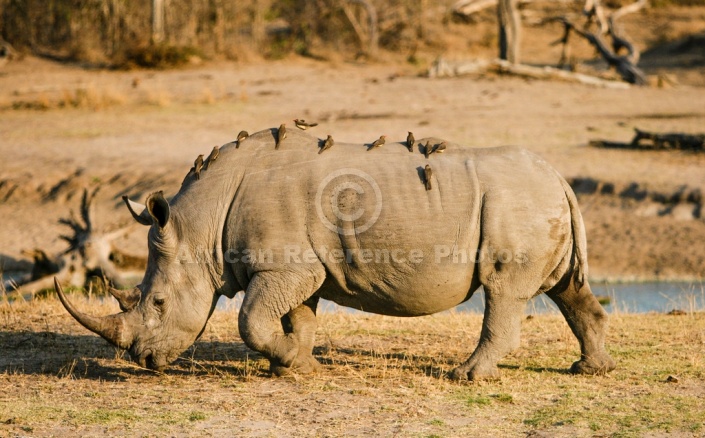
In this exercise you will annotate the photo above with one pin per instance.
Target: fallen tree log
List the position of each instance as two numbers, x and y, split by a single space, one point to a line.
531 72
445 68
644 140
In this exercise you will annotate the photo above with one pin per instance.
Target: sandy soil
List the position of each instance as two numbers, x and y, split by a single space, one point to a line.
139 131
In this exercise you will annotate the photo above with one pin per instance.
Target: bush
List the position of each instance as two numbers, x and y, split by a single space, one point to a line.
159 56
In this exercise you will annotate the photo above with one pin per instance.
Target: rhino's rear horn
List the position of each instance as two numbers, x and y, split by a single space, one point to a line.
112 328
127 299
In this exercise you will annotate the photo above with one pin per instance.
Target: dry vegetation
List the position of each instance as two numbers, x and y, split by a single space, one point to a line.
112 33
382 376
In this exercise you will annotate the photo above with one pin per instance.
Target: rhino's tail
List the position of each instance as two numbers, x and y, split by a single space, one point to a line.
580 267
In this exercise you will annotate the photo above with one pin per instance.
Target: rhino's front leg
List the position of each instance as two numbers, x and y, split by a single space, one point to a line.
301 322
269 296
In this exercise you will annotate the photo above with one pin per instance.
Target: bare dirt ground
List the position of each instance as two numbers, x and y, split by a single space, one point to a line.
138 132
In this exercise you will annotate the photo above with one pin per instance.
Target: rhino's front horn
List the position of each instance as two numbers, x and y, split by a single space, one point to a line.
127 299
112 328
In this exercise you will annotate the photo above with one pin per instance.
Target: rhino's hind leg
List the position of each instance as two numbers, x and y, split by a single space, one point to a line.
501 328
588 321
301 322
269 296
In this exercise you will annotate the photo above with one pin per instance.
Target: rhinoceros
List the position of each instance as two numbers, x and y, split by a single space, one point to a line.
356 226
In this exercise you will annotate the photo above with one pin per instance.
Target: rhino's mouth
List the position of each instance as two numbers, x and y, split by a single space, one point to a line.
147 359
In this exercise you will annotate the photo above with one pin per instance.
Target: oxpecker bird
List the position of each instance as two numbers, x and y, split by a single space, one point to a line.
213 155
197 166
427 149
192 170
281 135
410 140
240 137
379 142
439 148
327 144
303 124
427 174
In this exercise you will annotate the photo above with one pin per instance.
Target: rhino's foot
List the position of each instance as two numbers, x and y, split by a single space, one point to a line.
594 365
302 365
475 372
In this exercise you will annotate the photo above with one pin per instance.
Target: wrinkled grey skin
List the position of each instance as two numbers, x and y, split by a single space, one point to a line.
505 204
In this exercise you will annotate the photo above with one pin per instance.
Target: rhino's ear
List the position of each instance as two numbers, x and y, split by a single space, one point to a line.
158 208
138 211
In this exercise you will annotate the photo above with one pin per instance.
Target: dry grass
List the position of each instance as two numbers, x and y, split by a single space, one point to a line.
382 376
117 35
91 98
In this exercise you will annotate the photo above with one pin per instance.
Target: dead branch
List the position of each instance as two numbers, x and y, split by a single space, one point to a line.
629 9
43 264
369 40
594 11
509 30
645 140
619 41
89 254
563 41
624 66
82 229
469 7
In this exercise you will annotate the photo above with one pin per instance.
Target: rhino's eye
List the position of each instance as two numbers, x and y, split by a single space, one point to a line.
159 301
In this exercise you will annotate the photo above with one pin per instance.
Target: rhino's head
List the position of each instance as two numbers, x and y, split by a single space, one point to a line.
167 312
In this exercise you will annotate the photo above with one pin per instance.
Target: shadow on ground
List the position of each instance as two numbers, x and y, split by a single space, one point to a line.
90 357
